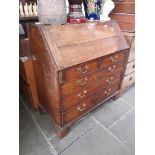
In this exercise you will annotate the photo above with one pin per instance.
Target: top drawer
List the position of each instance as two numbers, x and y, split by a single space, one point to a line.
80 70
112 59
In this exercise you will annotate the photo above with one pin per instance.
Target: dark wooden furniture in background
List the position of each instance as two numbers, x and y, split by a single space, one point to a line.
77 66
124 13
27 82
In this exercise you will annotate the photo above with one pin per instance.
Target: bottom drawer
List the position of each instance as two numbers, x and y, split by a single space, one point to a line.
128 80
105 93
73 113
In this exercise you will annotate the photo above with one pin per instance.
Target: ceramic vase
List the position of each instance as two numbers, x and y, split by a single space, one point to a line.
75 14
92 9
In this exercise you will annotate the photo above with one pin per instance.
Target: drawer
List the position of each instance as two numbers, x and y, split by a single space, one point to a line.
130 67
80 70
128 80
98 78
73 113
108 91
114 58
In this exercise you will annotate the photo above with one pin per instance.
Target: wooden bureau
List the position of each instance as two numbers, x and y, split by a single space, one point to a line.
77 67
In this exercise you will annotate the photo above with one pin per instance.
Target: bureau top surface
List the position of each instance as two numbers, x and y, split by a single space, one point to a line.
73 44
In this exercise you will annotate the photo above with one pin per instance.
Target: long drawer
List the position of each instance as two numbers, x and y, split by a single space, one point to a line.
77 110
87 104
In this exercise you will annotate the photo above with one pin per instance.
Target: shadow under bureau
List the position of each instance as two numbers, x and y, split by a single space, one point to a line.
77 67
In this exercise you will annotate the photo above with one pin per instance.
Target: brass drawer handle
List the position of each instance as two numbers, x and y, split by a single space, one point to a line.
82 95
82 108
83 69
82 83
109 81
113 58
111 69
108 91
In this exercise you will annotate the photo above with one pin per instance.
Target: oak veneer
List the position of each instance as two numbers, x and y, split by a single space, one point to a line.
77 67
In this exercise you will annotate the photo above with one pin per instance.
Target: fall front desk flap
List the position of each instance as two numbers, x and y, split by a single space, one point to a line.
72 44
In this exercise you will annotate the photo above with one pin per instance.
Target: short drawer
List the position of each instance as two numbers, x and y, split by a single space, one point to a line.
108 91
130 68
112 59
80 70
128 80
73 113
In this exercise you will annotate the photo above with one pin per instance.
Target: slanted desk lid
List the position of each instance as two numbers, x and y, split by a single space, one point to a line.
73 44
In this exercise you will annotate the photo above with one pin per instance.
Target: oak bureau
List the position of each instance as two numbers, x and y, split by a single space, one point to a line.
77 67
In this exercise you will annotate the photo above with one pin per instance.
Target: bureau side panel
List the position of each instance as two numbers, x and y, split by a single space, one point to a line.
46 73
